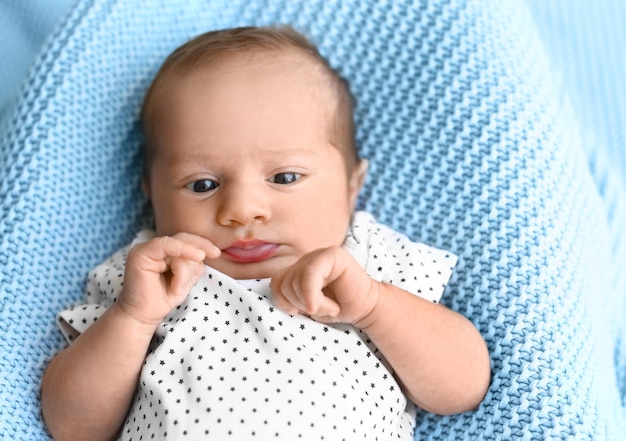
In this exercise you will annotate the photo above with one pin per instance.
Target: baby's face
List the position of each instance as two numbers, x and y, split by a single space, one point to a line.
242 157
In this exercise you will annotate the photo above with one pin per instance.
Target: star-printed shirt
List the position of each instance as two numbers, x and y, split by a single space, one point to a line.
227 364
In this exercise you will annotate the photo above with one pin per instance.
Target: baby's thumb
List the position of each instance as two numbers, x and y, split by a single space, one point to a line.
185 274
327 310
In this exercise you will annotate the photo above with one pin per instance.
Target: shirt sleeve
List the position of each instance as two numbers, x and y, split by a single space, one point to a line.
104 284
391 257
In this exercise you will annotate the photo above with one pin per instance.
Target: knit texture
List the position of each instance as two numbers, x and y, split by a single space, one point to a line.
24 26
473 148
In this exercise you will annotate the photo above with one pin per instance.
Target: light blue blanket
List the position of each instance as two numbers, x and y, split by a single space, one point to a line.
24 26
473 145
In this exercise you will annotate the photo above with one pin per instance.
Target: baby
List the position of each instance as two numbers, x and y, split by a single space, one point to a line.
262 305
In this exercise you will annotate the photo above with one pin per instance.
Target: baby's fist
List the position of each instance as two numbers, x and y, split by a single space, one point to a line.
160 272
326 284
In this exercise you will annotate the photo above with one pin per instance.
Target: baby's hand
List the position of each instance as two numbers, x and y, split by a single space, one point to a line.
159 274
328 285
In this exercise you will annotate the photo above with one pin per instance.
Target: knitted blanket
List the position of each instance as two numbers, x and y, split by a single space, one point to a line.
472 148
24 25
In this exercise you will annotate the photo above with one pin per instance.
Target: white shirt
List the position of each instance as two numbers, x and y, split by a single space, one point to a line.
227 364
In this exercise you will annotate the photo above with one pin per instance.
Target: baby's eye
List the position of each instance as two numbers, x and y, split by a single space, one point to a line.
285 178
202 186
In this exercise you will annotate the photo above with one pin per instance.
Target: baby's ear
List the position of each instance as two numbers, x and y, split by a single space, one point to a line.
357 179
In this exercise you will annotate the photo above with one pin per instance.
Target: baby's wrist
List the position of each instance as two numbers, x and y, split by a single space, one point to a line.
135 323
370 317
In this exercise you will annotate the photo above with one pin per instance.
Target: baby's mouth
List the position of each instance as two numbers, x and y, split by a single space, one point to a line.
249 251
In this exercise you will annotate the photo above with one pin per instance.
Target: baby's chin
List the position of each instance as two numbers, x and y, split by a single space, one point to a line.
255 270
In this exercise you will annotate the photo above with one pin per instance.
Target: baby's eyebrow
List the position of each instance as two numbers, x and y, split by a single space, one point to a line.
183 160
208 159
291 152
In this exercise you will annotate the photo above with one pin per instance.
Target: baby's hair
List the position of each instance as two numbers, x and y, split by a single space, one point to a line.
211 46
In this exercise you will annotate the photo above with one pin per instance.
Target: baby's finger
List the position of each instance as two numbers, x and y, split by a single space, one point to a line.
184 274
165 247
281 292
310 284
327 309
282 303
156 254
210 249
315 302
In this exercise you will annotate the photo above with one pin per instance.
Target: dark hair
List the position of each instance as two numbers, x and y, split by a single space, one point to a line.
211 46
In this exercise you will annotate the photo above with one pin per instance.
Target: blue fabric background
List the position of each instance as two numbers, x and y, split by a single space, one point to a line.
494 129
24 26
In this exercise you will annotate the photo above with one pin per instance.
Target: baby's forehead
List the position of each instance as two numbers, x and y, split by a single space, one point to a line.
288 64
293 62
285 66
210 68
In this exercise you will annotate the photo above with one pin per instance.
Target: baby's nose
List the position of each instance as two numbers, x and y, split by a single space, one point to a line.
243 205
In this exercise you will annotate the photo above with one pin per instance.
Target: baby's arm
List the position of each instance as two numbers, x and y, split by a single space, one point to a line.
88 387
438 355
